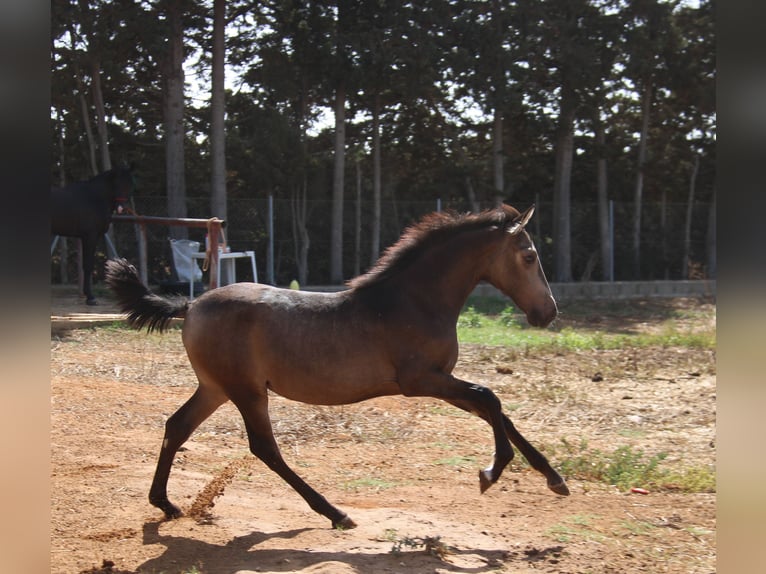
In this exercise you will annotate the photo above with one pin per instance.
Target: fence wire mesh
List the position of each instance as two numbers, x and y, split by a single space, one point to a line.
662 245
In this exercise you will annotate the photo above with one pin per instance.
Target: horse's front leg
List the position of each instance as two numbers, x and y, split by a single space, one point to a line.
476 399
535 458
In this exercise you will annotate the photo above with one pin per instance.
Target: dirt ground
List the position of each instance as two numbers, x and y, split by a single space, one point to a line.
404 469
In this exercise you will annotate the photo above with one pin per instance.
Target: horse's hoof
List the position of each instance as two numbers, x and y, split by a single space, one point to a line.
560 488
344 523
485 480
171 510
91 302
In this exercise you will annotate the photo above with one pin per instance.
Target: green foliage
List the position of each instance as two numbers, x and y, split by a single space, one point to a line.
437 74
492 322
469 319
627 468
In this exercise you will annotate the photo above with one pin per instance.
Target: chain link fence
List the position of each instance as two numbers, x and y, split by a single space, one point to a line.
247 225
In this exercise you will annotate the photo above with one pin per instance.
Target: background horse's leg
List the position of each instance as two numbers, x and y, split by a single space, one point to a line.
255 412
88 262
178 429
535 458
472 398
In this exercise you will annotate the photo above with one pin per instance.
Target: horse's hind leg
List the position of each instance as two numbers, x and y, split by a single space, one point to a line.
178 429
255 412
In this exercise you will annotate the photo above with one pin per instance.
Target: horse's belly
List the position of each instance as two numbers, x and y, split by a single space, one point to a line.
330 384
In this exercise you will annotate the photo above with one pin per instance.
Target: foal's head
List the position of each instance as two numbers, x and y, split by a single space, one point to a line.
516 270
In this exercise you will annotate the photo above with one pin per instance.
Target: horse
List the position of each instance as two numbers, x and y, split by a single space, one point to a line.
84 210
391 332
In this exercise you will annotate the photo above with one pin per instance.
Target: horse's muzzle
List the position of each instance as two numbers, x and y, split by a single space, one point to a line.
543 316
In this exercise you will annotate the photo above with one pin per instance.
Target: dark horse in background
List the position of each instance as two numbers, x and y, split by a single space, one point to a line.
393 332
84 210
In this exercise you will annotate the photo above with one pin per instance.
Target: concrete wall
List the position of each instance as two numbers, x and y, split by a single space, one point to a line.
620 289
602 289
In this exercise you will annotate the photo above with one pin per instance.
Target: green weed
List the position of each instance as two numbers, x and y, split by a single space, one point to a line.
627 468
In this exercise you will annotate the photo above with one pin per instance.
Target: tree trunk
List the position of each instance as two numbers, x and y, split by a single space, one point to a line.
664 230
562 248
376 182
336 237
688 222
217 108
103 137
63 246
358 219
497 156
86 123
470 193
299 208
646 104
174 120
712 264
603 205
98 102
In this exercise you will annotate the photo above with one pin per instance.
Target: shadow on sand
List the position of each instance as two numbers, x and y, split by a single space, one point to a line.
183 554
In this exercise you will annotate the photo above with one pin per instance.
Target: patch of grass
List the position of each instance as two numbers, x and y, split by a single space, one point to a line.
696 479
448 411
575 526
632 433
368 483
638 527
489 321
626 468
457 461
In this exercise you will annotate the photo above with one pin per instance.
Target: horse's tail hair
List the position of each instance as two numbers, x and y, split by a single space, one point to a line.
144 308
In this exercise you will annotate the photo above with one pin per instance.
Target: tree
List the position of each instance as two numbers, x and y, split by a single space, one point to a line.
218 110
173 107
566 40
650 40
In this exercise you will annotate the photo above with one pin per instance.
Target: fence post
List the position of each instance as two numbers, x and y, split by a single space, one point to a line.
143 261
214 233
611 240
270 252
439 204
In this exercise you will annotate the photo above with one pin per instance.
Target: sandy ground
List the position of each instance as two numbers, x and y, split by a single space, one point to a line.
404 469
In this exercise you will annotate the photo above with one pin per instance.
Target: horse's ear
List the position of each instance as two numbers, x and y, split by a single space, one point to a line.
518 224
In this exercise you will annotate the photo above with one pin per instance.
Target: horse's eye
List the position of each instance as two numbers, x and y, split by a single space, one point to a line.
530 257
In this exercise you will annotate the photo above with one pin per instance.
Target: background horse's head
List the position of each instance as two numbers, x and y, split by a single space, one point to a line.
517 272
122 184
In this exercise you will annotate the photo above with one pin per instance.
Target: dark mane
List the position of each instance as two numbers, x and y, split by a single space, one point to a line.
432 229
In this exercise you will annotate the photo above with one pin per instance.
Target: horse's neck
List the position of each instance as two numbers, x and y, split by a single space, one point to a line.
448 274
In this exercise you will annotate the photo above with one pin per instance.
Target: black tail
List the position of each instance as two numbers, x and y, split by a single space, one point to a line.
144 308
